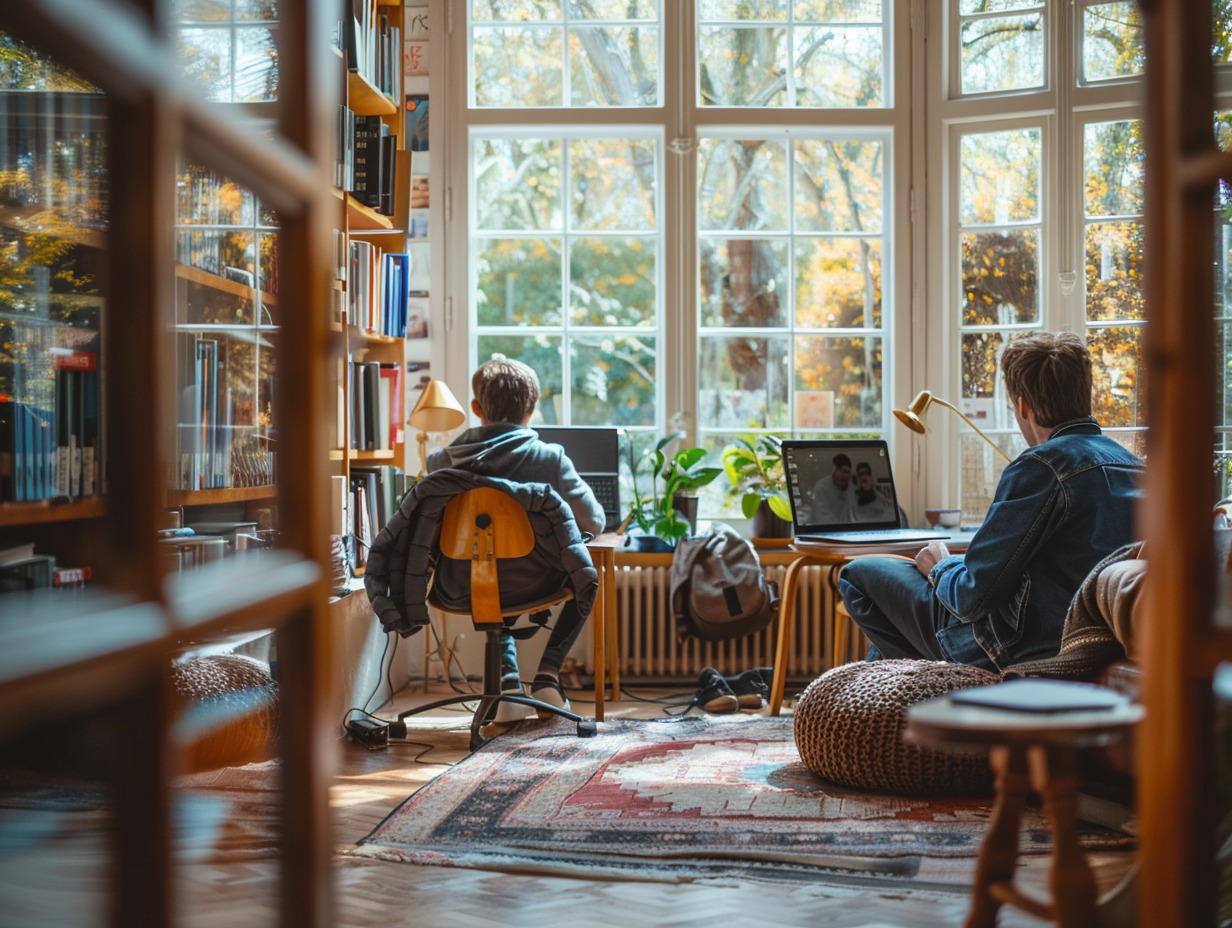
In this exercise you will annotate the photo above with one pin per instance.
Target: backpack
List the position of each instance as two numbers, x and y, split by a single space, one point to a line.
718 589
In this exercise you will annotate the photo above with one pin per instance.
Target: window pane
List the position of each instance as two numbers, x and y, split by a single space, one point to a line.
541 352
996 6
614 66
1118 397
1000 177
615 9
742 9
742 66
1000 277
517 184
743 282
850 368
838 185
1221 32
519 281
612 183
980 378
838 66
838 282
250 10
830 11
612 281
746 382
743 184
517 66
1002 53
1111 41
1114 260
256 65
613 380
1113 157
205 57
516 10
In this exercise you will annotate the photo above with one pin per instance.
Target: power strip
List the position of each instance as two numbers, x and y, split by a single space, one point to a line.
370 733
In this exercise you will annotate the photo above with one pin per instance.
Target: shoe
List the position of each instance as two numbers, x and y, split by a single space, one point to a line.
507 712
547 688
713 694
752 688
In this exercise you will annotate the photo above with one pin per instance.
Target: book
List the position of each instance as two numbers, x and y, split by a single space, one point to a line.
31 573
1038 695
416 122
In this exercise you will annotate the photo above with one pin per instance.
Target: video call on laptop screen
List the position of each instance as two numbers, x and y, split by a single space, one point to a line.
840 485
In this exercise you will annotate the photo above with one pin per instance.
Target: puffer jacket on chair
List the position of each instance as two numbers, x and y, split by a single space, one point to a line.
404 562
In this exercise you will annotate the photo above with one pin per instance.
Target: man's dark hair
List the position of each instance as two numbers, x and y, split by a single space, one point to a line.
506 391
841 460
1052 372
864 468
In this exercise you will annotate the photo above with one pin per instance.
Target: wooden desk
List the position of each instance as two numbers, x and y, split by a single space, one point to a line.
1028 750
827 553
603 617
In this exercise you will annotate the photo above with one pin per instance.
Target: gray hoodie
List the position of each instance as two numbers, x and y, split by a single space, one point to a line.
515 453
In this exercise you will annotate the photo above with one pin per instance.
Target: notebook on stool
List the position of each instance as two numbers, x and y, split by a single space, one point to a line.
842 491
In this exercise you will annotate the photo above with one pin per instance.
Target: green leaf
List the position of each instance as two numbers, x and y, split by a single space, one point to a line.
780 507
749 503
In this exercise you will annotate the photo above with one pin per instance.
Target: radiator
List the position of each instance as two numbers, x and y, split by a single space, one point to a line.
650 649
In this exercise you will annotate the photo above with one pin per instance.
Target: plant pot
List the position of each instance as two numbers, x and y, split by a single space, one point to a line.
648 544
767 525
687 507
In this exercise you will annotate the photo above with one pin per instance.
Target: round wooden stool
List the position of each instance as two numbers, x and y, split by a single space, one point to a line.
1030 747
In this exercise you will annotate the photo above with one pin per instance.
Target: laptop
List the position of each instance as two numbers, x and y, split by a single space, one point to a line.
842 491
595 452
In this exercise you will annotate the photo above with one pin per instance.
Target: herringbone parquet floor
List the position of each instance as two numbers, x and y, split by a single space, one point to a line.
229 870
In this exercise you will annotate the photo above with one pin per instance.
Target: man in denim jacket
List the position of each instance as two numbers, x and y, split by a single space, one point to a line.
1060 507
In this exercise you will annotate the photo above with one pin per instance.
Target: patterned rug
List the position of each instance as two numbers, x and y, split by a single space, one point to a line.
683 799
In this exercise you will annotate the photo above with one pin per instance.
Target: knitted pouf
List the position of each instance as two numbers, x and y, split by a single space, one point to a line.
229 705
849 728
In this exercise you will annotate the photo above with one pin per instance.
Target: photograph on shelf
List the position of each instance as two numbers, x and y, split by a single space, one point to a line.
415 22
419 223
417 317
416 122
420 191
415 59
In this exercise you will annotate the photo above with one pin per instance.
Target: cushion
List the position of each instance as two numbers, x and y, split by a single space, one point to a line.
849 728
229 705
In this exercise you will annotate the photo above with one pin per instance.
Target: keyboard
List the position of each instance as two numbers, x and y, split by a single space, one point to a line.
606 488
875 536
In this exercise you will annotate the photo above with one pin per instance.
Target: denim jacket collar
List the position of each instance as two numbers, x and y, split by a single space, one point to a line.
1087 425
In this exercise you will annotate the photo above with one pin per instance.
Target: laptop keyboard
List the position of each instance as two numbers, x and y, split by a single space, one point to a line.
606 488
874 535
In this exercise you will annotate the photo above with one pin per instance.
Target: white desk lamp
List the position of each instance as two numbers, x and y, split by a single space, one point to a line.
437 410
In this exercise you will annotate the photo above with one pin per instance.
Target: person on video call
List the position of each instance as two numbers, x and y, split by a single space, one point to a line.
1060 507
834 495
870 506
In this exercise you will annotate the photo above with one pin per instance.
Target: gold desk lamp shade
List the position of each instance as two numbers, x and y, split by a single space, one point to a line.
437 410
915 417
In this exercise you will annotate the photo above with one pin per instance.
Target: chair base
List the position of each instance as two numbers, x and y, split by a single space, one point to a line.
491 697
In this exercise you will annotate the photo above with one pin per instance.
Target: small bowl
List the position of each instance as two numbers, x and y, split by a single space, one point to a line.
946 518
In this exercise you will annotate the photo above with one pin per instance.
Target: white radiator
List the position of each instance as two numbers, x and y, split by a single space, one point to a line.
649 647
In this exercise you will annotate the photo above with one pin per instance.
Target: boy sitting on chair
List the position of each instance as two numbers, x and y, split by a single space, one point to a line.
505 395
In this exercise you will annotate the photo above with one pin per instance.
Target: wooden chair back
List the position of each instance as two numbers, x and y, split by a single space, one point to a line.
482 525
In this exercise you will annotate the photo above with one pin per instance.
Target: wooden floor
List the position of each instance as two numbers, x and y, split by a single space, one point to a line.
229 866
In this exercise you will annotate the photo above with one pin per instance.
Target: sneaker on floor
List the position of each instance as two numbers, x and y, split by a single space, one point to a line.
547 688
750 687
713 694
507 712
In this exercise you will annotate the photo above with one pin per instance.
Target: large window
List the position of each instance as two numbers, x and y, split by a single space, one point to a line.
706 242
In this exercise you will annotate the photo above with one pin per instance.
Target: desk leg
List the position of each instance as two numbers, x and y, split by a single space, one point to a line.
787 619
598 630
999 849
613 624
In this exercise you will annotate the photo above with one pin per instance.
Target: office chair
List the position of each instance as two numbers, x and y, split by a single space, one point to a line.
484 526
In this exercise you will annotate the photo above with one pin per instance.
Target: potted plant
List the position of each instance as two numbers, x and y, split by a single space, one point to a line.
681 475
755 469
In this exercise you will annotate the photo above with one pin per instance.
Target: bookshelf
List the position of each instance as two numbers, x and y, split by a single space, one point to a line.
157 221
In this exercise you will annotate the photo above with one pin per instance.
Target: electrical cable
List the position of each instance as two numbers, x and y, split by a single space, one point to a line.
381 671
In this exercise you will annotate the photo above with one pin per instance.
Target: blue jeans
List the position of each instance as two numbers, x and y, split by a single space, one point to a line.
895 607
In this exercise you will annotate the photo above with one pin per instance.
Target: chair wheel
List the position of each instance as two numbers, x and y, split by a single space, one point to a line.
586 728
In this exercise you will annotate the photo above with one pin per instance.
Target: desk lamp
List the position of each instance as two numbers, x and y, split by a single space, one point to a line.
437 410
913 416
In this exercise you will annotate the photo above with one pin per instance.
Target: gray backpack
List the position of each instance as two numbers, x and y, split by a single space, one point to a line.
718 589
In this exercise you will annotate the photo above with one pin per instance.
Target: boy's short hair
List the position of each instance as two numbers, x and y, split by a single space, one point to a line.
1052 372
864 468
506 391
841 460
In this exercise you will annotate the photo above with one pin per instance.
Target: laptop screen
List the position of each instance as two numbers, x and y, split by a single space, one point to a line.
837 485
595 453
